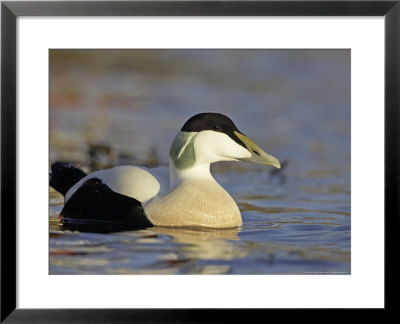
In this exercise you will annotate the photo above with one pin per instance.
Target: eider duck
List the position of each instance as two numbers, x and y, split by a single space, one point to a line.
139 197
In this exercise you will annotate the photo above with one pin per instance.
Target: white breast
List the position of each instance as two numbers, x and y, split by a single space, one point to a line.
195 202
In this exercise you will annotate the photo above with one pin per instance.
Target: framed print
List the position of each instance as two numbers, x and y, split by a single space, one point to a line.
109 95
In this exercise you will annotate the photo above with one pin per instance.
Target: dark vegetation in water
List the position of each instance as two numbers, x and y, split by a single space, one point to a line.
101 156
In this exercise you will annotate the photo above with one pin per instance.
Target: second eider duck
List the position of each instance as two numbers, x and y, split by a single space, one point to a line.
188 196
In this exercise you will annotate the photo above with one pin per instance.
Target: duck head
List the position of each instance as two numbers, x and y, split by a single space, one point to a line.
212 137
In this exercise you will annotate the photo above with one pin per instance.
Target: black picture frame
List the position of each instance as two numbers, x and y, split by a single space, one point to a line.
10 10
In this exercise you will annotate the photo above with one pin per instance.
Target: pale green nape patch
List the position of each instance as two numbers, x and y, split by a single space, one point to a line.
182 150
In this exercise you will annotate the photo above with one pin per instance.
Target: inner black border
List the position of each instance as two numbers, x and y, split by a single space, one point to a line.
10 10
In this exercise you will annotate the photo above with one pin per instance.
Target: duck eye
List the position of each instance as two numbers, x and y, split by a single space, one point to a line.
216 127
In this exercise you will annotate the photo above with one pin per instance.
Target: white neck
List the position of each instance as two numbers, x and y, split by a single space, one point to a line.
191 154
201 171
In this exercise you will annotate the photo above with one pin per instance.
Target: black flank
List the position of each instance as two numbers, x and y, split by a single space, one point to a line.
95 203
